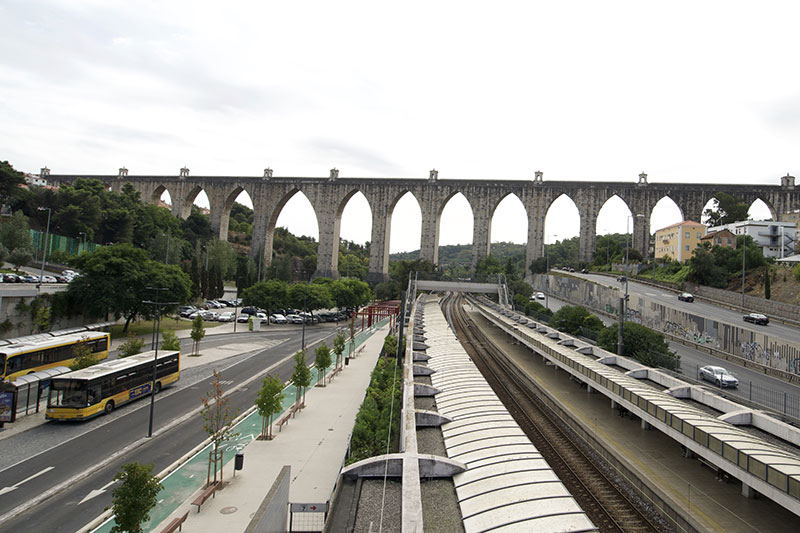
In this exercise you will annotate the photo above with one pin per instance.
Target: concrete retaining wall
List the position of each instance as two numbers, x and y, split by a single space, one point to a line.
777 357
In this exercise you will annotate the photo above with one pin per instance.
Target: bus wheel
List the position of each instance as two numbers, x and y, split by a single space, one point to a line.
158 387
109 407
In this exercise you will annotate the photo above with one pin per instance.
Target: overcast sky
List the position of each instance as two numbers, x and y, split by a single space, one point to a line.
586 91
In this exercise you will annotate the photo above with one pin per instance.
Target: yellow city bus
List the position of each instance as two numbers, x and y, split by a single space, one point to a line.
28 356
100 388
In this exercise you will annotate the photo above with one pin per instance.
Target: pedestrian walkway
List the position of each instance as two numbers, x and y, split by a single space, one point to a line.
313 443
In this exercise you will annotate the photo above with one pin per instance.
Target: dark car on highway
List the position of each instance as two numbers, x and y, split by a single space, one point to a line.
756 318
685 297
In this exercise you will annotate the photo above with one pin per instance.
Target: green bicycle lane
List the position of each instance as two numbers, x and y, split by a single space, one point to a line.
185 480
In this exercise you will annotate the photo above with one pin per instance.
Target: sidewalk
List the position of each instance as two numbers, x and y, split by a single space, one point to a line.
313 443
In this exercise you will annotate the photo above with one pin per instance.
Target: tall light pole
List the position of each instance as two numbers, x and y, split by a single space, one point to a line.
46 236
547 279
154 346
623 307
744 254
84 239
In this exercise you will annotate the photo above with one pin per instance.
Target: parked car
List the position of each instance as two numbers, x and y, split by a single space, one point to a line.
294 319
262 317
718 376
226 316
29 278
278 318
756 318
249 310
11 278
243 318
540 296
309 318
685 297
186 310
49 279
211 316
584 271
621 279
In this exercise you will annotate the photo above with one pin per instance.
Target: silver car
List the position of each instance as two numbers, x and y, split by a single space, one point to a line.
718 376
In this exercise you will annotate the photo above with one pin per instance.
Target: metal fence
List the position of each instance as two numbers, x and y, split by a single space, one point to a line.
782 402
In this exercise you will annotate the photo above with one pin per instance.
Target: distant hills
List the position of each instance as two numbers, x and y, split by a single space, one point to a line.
461 254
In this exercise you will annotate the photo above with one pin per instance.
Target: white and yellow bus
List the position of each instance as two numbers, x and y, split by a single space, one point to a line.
24 357
100 388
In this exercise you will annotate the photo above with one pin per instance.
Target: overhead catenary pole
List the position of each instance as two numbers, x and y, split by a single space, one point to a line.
44 254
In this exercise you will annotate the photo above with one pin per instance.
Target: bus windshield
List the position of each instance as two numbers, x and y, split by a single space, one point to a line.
67 393
2 365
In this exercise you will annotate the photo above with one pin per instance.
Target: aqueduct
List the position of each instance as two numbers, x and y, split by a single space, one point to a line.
328 197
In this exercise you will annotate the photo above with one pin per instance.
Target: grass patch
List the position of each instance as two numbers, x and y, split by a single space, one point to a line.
145 327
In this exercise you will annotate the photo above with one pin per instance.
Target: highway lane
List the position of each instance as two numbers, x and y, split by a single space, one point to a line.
64 511
700 307
766 390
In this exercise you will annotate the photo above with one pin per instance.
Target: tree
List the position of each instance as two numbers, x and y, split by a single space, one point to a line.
269 295
133 500
640 343
15 236
725 210
338 347
301 377
115 280
269 402
170 341
10 181
130 347
82 356
218 423
322 361
570 319
197 334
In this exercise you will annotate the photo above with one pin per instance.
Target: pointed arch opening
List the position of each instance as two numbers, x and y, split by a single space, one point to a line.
562 227
506 226
405 226
455 236
293 231
665 213
237 217
355 232
162 197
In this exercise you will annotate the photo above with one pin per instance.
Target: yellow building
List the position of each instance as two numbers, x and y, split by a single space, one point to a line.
678 241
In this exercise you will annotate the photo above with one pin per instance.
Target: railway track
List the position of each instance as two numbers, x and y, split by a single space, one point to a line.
607 504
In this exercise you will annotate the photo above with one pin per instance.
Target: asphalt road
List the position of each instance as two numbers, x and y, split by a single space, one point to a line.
54 454
765 390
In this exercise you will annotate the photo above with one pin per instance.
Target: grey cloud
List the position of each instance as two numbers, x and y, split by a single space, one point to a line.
74 46
341 154
784 114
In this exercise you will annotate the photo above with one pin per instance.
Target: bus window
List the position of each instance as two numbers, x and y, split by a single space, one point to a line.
2 365
95 394
67 393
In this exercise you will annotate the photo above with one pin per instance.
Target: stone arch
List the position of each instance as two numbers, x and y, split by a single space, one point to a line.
561 229
227 206
264 257
357 196
665 212
189 199
445 205
508 198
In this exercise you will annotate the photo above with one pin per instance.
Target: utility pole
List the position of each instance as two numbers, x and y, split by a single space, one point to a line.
154 346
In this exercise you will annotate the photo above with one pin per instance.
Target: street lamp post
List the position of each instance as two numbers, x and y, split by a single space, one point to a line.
166 257
154 346
623 308
547 274
744 254
46 236
84 239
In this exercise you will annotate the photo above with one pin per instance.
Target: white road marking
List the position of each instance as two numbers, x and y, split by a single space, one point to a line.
97 492
16 486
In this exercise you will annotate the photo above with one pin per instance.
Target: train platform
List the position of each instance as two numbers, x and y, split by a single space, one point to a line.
313 444
708 502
